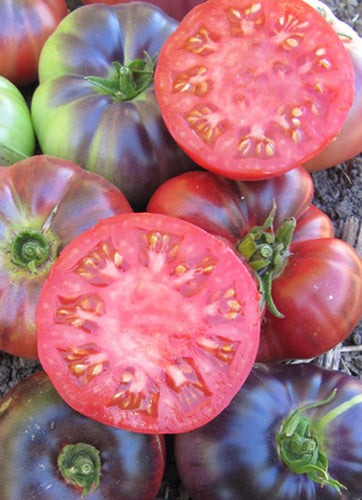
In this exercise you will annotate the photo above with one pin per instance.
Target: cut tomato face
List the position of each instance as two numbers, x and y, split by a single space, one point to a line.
251 89
148 323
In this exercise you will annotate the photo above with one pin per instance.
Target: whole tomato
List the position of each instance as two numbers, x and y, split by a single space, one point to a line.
174 8
311 281
291 433
45 203
17 138
96 104
24 27
51 452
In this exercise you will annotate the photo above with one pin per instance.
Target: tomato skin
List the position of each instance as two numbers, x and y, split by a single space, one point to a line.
35 425
235 455
25 26
54 198
174 8
243 104
148 323
17 138
348 142
229 209
124 141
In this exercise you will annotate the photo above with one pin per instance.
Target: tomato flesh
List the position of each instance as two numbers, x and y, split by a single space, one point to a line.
252 89
148 323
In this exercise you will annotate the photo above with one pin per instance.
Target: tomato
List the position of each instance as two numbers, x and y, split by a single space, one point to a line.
96 105
174 8
269 443
17 139
51 452
312 282
45 202
348 142
251 90
148 323
25 25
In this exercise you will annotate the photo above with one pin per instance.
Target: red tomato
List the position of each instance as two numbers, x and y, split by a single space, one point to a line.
174 8
250 90
148 323
316 279
25 26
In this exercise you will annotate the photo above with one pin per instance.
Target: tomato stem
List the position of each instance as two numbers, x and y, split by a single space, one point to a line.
267 252
30 248
130 80
80 465
299 444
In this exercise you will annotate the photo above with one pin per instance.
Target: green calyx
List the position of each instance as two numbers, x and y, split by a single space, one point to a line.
130 80
300 441
30 249
80 466
267 252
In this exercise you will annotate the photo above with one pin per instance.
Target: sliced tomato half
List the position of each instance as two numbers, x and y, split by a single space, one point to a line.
148 323
252 88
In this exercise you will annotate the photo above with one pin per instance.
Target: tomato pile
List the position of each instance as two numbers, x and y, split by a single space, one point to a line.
162 258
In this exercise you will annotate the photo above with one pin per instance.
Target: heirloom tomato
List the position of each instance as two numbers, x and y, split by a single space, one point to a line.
148 323
174 8
17 140
51 452
251 90
311 281
45 202
348 142
24 27
292 432
96 105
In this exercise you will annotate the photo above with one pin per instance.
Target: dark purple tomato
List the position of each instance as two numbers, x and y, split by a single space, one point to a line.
51 452
293 432
96 103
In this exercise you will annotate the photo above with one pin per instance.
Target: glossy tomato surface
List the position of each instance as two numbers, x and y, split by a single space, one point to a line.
316 280
17 138
148 323
348 142
96 105
25 26
174 8
45 445
237 456
252 90
45 202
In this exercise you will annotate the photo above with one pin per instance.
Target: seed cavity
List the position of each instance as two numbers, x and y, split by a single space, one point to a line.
193 81
203 42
